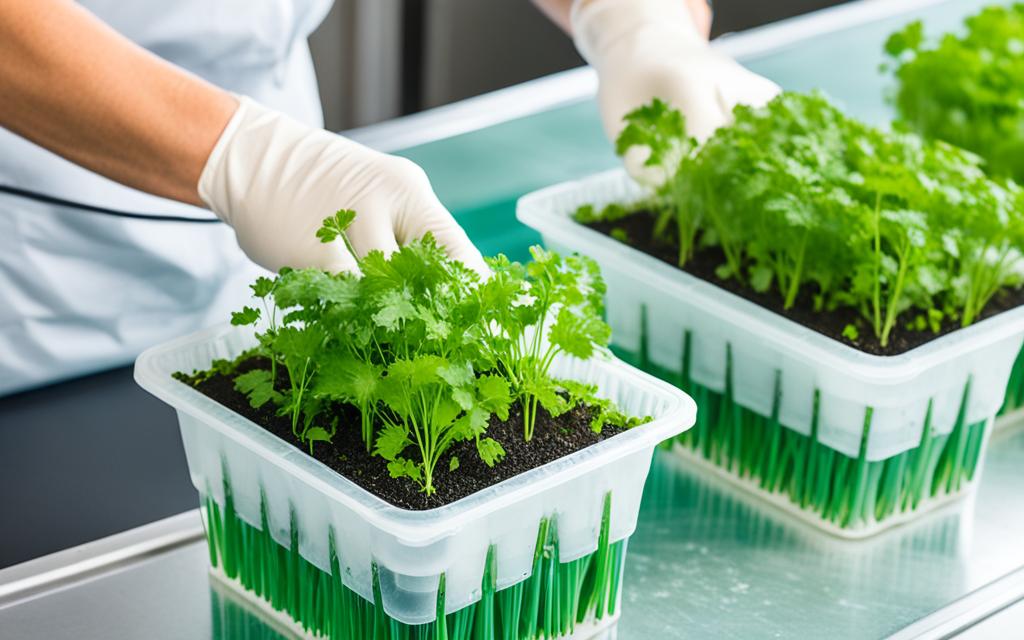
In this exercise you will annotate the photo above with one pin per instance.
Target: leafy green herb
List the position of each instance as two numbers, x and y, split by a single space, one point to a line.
258 386
533 313
588 213
490 450
809 204
966 89
247 315
219 366
604 411
426 352
660 129
334 228
319 434
850 332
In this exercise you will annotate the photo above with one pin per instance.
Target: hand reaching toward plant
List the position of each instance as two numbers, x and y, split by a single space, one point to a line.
425 350
272 178
645 49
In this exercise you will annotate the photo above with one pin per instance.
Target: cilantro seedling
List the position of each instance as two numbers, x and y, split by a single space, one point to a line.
426 352
334 227
808 204
851 333
661 131
535 312
966 88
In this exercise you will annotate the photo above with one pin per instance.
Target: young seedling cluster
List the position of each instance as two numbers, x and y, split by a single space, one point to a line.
817 208
426 350
966 89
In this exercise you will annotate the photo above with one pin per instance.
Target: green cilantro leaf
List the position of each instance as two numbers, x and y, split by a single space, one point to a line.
262 287
490 450
246 316
579 335
659 128
391 442
404 468
335 226
258 386
494 395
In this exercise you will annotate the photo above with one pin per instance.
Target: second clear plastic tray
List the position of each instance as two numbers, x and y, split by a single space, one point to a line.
744 363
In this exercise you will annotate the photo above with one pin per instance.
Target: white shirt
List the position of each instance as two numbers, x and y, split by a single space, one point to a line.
82 291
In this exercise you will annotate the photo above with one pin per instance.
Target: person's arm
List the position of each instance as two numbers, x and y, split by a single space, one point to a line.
73 85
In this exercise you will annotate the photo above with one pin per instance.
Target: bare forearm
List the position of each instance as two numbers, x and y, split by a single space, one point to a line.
558 12
78 88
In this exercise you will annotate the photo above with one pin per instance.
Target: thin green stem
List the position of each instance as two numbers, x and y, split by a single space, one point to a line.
892 309
297 404
794 283
877 288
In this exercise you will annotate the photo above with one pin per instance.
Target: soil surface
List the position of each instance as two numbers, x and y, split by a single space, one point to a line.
553 438
639 229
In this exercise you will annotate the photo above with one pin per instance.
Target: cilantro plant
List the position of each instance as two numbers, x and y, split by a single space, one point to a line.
967 88
427 352
535 312
803 202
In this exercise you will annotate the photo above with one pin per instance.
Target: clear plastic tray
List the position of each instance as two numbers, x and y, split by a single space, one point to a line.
767 349
411 549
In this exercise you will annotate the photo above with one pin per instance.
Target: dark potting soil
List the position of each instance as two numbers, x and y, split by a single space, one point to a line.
553 438
639 229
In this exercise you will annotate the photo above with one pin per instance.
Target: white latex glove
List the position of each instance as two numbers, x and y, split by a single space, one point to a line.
274 180
646 49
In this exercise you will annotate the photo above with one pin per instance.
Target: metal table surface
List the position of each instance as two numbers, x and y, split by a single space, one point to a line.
705 561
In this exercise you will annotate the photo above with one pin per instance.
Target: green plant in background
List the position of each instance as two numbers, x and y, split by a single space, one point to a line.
565 295
809 204
966 88
426 351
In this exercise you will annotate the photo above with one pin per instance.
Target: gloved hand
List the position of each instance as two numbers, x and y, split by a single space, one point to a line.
645 49
274 180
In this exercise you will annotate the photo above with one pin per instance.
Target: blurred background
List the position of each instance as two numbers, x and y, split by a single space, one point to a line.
378 59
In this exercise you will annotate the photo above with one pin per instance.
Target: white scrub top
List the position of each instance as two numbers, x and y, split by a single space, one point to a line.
82 291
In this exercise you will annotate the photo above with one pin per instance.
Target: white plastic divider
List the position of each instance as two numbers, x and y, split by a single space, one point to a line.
765 345
413 548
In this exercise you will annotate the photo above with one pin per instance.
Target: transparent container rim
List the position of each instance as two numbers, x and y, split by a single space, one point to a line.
534 211
415 528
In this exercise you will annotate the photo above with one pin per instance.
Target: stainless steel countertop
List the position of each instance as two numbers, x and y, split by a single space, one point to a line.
707 561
